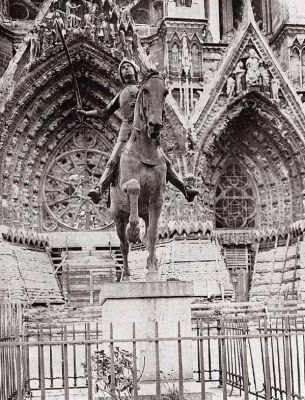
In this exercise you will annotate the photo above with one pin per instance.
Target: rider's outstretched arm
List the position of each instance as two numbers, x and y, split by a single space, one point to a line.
104 114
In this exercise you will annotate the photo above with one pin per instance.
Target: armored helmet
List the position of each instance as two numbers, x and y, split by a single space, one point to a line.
134 66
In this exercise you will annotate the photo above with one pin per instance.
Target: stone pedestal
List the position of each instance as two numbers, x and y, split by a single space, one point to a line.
145 303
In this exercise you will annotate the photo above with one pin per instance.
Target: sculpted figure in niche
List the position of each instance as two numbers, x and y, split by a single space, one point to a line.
125 101
90 16
252 65
71 17
35 47
275 87
58 19
47 39
230 87
264 77
239 73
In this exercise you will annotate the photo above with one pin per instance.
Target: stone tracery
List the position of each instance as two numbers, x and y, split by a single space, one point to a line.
75 168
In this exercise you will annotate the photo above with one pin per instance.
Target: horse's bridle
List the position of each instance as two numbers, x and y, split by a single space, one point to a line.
143 116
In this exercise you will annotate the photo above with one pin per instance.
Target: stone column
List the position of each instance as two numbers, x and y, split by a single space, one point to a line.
214 20
227 16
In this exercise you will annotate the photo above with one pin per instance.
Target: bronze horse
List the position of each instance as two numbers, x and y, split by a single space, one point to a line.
141 182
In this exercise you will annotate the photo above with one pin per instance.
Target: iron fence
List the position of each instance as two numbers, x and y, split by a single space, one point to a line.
13 376
257 358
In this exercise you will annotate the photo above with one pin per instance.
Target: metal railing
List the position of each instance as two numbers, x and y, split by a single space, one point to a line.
13 374
256 357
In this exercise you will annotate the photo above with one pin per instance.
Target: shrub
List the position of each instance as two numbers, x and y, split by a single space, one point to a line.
123 373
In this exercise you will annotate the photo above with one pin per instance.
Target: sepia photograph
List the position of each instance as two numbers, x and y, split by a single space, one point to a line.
152 200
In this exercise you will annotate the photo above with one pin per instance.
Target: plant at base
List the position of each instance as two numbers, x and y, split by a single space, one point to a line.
169 388
123 373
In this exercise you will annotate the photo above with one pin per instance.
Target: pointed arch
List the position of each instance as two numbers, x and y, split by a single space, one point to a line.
174 58
196 60
41 114
267 144
295 65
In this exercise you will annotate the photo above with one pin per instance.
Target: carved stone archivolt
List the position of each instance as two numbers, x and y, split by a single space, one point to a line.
38 119
254 133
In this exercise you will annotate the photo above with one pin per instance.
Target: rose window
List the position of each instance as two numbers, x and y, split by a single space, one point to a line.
75 169
235 205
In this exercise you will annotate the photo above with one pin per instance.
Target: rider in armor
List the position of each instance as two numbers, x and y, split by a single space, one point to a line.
125 101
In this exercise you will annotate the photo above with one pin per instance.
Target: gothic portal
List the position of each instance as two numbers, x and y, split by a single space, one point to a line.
234 126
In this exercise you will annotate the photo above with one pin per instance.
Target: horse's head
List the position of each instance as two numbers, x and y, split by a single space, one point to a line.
152 97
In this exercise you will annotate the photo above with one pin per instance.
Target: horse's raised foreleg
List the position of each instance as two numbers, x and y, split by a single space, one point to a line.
152 232
124 245
132 188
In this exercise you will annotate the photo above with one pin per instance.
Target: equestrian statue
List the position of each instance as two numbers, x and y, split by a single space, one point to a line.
138 168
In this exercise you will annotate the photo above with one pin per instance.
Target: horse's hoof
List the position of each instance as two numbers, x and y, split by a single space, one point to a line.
133 233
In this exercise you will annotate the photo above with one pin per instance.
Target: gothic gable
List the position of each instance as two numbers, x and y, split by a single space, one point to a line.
248 65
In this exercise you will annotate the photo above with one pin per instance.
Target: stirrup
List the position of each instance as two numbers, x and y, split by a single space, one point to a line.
190 193
95 194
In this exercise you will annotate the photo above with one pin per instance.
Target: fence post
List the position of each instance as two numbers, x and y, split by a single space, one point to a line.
134 359
180 364
287 360
89 365
245 363
51 359
209 352
112 374
42 366
267 362
201 364
18 363
157 355
26 360
66 365
219 352
223 361
74 357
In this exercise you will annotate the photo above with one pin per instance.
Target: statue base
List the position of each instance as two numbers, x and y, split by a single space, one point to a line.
143 304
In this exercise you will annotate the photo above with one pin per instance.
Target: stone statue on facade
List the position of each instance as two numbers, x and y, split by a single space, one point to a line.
125 101
264 77
73 20
252 65
91 15
58 23
230 87
239 73
101 21
275 87
35 45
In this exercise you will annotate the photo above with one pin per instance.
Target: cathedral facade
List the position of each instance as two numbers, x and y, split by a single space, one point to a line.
234 127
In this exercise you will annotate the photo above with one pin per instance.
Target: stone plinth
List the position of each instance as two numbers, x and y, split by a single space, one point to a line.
145 303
